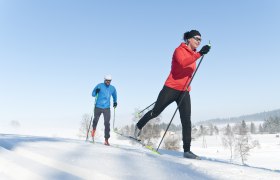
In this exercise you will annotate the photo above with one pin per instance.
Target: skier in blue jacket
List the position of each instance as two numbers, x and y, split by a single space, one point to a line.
104 91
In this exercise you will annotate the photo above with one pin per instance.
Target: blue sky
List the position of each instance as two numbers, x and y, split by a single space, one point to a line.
53 53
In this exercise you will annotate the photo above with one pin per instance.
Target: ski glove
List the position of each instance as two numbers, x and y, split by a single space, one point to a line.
115 104
97 90
204 50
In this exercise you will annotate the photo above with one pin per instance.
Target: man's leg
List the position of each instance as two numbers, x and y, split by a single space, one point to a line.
97 113
107 117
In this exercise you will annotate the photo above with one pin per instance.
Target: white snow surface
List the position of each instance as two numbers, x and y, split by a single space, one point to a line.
28 157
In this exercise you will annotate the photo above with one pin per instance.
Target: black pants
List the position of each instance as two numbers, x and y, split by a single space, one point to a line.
107 115
167 96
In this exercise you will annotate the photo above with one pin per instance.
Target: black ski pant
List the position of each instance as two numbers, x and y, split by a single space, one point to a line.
167 96
107 115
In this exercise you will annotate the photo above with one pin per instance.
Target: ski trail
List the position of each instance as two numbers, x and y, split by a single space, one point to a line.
51 162
11 168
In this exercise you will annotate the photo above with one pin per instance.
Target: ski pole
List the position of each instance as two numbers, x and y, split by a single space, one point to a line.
184 93
146 107
114 119
91 116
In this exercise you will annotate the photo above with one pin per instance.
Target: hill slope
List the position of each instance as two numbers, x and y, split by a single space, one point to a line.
31 157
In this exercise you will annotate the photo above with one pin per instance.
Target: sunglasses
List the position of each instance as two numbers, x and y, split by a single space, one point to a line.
108 80
197 39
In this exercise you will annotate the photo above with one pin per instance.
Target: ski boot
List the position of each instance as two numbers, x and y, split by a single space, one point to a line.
106 142
137 132
92 134
191 155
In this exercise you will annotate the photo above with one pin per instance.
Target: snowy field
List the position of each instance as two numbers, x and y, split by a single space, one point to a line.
52 157
266 156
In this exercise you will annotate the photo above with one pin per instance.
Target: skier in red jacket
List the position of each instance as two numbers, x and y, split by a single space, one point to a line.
183 66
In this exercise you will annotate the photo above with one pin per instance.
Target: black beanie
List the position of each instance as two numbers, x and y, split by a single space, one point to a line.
190 34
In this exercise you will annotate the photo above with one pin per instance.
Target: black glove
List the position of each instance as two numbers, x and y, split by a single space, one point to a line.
204 50
115 104
97 90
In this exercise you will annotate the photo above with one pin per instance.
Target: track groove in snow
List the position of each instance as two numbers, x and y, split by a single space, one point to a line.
61 166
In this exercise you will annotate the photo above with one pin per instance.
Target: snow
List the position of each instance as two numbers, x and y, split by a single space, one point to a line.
41 157
266 156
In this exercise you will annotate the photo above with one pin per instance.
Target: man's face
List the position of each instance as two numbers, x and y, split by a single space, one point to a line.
107 82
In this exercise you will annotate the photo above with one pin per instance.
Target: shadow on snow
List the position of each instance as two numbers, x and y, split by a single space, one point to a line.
11 141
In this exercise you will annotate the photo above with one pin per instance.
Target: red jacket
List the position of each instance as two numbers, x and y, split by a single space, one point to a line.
182 68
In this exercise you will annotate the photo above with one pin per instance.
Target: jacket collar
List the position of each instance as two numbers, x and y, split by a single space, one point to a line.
183 45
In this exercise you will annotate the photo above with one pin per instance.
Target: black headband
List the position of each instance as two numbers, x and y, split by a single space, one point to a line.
190 34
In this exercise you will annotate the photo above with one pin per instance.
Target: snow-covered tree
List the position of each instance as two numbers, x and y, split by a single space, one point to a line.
216 130
136 116
243 145
240 128
272 125
252 128
260 129
243 129
151 131
126 130
172 141
84 125
211 129
203 132
228 130
228 140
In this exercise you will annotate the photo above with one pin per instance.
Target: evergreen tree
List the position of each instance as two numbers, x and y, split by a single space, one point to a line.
228 130
216 130
272 125
260 129
243 128
253 128
211 129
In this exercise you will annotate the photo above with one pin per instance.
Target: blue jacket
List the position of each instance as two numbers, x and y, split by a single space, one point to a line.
104 95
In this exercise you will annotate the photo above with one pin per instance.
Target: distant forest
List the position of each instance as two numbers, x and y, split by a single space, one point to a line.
262 116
